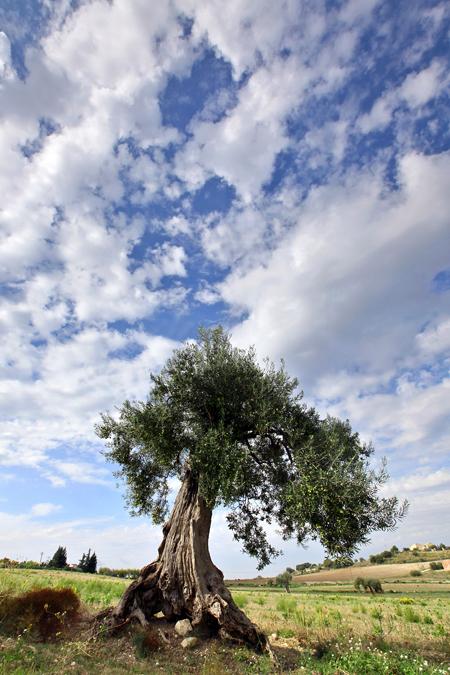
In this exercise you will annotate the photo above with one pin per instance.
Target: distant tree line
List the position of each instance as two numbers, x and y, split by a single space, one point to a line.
127 573
58 561
380 558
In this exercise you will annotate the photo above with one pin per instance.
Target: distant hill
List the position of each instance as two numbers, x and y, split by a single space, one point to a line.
385 571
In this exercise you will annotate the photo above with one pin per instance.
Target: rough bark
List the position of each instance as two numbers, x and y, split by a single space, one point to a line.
183 582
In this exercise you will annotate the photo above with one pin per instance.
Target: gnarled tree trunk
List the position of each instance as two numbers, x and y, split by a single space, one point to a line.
183 582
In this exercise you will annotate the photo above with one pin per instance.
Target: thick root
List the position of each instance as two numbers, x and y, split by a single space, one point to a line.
184 582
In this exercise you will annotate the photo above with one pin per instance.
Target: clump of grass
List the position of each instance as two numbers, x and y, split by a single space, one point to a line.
285 633
43 612
286 606
240 599
261 600
439 631
301 618
410 615
415 573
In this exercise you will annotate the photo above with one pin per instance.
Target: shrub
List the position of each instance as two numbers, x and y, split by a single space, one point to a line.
372 585
128 573
359 584
436 566
7 563
415 573
44 612
406 601
30 565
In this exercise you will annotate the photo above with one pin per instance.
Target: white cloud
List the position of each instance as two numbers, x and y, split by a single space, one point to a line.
344 295
242 146
416 90
420 481
79 472
413 418
247 32
419 88
54 215
5 57
353 248
435 339
44 509
207 296
177 225
71 383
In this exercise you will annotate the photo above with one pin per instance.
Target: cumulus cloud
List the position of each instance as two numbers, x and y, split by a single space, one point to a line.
417 89
352 249
5 56
44 509
344 296
73 381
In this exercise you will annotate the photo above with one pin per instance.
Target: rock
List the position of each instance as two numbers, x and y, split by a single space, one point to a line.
273 636
189 642
183 627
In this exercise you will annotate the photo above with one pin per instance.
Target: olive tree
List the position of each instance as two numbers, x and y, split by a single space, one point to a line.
237 434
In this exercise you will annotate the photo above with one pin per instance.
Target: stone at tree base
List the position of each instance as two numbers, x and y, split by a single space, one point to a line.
189 642
183 627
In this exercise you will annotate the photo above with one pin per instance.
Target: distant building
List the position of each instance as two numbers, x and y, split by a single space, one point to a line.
422 547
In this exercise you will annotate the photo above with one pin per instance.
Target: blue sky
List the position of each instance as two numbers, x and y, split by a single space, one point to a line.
280 168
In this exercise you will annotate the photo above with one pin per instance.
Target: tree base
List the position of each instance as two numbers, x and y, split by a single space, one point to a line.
184 583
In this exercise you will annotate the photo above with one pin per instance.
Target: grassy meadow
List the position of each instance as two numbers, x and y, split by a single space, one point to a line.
317 628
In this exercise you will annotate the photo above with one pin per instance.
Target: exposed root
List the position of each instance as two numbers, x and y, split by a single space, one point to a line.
184 582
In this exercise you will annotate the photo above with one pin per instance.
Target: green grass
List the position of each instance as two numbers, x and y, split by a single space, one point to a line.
94 590
327 629
241 600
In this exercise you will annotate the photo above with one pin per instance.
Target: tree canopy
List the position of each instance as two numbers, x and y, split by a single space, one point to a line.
59 559
254 446
88 562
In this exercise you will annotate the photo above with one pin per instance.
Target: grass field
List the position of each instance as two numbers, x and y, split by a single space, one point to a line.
315 629
385 571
